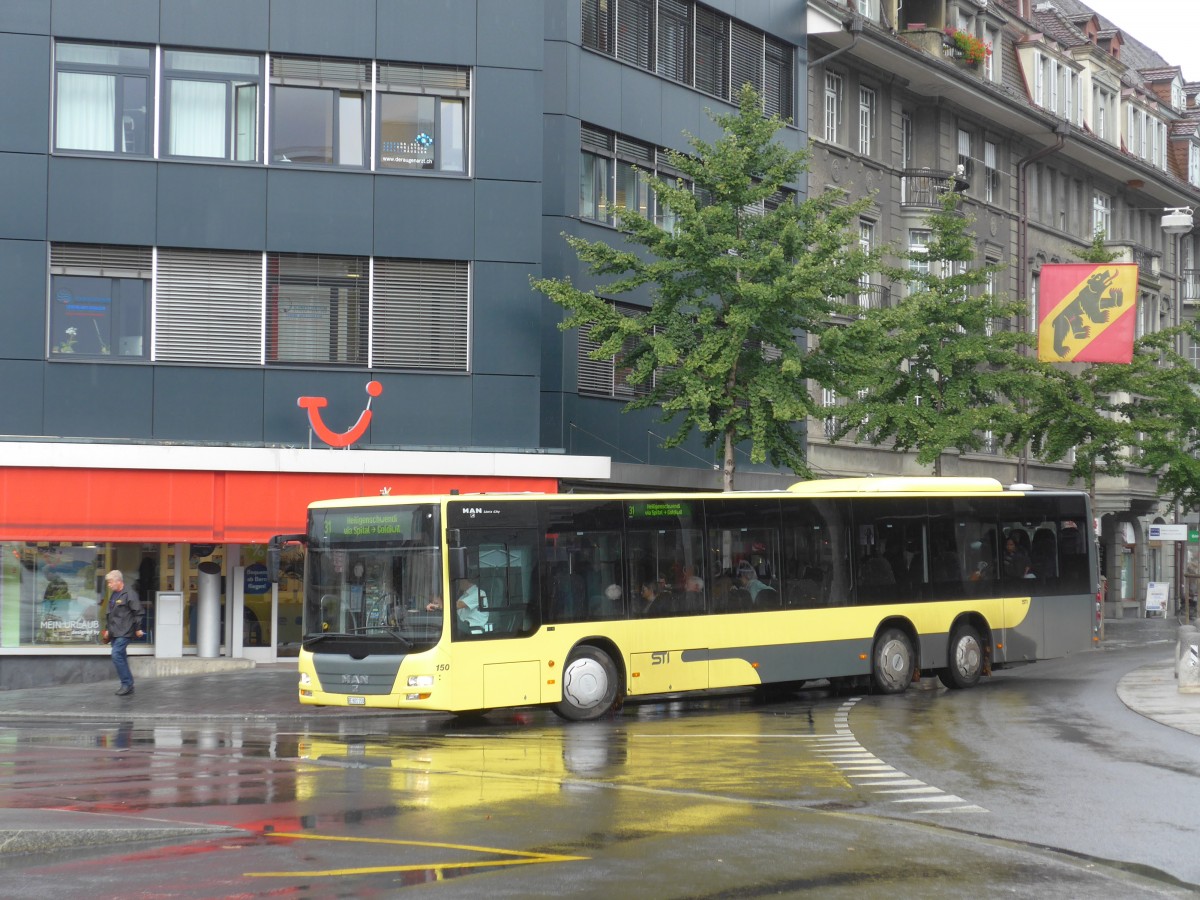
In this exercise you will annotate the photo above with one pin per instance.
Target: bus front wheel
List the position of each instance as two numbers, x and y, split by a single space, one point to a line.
589 685
966 659
893 662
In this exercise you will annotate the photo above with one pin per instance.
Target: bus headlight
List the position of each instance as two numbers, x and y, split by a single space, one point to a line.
420 681
305 679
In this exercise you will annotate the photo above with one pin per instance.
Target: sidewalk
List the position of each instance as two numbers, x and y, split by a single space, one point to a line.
268 692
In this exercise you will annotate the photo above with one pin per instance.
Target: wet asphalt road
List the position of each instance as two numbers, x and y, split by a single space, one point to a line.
1040 781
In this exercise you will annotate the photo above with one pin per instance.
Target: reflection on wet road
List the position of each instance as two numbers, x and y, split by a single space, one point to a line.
711 797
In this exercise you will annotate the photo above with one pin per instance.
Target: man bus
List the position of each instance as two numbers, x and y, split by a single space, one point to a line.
465 603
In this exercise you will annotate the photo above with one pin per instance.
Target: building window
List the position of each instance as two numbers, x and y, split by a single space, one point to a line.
906 144
1102 215
420 314
866 121
317 309
596 166
1194 164
674 39
606 377
598 18
965 162
991 173
778 92
1039 79
103 99
631 192
208 307
423 117
712 52
211 105
318 113
866 243
833 107
635 33
99 302
918 248
991 62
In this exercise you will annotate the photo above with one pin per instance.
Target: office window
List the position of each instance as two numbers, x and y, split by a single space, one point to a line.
596 165
208 307
833 107
99 302
635 33
746 58
211 105
712 52
103 99
421 314
632 192
423 117
675 40
606 377
598 18
318 113
778 92
866 121
317 309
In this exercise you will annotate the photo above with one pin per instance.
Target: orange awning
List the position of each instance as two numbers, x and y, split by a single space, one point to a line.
156 506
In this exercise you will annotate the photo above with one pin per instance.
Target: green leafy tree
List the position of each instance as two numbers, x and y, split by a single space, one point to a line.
939 368
733 287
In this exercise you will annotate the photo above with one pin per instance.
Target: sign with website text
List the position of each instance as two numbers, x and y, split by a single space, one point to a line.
1168 532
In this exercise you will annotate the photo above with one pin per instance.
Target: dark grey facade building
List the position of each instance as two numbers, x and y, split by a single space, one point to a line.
236 231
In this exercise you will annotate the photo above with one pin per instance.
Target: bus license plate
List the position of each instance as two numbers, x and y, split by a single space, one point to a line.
356 701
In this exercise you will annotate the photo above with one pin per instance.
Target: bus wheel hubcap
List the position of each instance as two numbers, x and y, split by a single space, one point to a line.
967 656
586 683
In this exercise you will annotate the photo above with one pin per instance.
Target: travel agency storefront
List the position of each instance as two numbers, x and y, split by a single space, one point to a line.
70 512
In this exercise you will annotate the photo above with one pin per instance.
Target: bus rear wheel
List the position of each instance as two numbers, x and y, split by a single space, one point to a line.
892 662
589 685
966 659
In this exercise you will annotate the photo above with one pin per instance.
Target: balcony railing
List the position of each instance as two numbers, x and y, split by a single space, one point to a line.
872 296
923 188
1191 284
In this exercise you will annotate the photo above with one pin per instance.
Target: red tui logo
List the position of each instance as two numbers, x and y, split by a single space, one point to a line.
314 405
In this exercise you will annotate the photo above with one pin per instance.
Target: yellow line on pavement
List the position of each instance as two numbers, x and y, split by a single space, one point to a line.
526 858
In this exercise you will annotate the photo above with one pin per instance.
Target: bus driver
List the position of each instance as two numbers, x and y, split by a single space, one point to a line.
468 605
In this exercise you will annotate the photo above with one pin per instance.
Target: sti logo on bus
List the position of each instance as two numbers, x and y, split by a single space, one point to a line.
660 658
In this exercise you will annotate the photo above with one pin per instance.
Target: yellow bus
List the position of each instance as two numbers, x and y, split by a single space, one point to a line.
465 603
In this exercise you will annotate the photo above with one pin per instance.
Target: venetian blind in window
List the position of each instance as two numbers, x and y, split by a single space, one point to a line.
778 93
598 25
421 314
327 72
635 33
101 259
712 52
208 307
675 40
317 309
746 57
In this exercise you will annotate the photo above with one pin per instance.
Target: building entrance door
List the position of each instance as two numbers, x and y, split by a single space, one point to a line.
254 604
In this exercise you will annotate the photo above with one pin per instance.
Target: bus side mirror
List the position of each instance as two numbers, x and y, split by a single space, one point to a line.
275 551
458 563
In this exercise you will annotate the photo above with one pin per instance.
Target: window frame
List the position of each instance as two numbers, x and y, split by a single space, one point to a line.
120 72
232 82
442 85
834 94
119 267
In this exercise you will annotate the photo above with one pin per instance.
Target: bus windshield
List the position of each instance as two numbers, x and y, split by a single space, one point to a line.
375 572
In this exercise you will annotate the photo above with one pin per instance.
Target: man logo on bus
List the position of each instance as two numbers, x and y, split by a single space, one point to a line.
314 405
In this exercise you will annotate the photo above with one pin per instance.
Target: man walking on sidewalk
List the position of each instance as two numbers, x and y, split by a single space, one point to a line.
123 623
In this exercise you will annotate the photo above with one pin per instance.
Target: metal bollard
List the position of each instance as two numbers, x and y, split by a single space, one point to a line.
1187 668
1181 634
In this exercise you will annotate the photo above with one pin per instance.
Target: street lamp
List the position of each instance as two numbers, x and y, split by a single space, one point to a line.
1177 221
